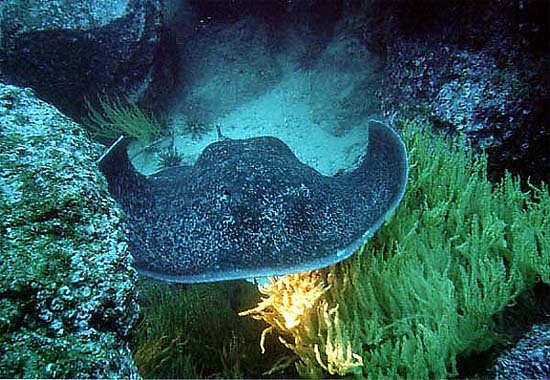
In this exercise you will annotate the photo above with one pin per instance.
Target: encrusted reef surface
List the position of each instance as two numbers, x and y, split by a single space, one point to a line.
529 359
476 68
67 296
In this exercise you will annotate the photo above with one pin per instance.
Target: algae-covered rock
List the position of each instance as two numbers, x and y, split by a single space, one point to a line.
478 68
67 298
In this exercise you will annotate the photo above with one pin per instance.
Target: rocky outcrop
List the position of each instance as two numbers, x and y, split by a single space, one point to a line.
478 68
67 297
67 51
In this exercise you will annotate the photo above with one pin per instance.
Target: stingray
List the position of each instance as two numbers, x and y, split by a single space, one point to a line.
249 208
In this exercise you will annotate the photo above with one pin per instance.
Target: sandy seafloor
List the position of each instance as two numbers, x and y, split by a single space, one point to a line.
320 109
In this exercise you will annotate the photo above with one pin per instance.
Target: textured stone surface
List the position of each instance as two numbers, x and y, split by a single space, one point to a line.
529 359
67 298
249 208
477 68
66 51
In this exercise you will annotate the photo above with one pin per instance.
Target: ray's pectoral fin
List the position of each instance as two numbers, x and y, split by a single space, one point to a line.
179 232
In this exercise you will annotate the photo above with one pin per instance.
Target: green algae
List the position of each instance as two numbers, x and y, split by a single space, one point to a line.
110 118
193 331
424 292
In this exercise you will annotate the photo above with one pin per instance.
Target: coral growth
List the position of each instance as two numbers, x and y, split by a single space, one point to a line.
424 290
287 308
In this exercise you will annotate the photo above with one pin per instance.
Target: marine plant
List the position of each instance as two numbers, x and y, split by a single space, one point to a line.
424 291
110 118
193 331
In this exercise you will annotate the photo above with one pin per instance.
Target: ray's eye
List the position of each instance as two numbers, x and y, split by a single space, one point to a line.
226 194
223 199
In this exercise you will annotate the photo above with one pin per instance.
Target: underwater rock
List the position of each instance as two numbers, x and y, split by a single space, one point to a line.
67 51
477 68
67 296
250 208
530 359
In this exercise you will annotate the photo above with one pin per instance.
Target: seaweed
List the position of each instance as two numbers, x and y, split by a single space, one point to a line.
193 331
111 118
424 291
